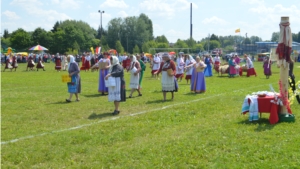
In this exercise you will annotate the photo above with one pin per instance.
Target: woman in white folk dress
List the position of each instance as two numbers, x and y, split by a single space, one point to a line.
168 70
117 93
189 60
134 69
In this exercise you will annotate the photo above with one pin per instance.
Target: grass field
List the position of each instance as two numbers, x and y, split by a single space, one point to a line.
40 130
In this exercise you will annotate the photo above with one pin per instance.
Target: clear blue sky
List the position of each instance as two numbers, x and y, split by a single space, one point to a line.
170 17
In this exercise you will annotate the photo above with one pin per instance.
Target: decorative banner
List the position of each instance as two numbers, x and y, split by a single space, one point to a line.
98 50
92 50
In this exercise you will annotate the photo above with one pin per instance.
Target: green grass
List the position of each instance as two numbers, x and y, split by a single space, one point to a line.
193 131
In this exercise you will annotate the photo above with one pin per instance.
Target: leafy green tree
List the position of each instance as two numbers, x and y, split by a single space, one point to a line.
255 39
214 37
58 38
5 43
113 32
148 45
275 37
298 40
5 34
190 42
105 48
42 37
130 31
20 39
181 44
145 47
136 49
229 49
55 27
119 47
80 31
95 42
161 39
247 41
162 47
212 45
98 36
295 37
149 25
198 48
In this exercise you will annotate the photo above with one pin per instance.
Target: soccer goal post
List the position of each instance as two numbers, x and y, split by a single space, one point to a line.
176 50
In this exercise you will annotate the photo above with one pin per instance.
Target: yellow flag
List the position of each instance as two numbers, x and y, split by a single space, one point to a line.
237 31
92 49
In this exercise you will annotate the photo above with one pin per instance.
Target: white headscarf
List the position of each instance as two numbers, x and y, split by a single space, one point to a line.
132 61
192 59
72 60
115 61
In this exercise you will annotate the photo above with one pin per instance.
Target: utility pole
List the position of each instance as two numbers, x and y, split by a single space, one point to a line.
101 12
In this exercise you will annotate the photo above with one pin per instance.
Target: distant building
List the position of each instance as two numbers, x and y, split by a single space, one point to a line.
261 47
267 46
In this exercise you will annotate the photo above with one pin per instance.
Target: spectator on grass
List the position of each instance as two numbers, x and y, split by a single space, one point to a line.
198 84
249 65
103 64
292 79
74 87
116 94
40 65
30 63
135 69
143 68
168 81
57 60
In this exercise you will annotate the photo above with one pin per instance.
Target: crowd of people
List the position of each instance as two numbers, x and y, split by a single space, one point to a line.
170 69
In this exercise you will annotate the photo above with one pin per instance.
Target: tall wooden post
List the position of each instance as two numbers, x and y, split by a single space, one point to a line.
284 68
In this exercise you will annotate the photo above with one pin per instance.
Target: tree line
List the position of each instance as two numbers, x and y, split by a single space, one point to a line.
133 34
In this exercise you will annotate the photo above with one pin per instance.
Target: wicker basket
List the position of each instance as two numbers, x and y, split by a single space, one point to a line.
170 72
199 69
102 65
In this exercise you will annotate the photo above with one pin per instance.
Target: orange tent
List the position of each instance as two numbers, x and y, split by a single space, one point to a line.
149 55
114 51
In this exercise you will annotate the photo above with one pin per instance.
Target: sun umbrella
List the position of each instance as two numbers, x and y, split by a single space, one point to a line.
38 47
172 53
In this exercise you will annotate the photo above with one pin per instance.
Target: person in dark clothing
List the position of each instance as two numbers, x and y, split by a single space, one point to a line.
117 93
292 79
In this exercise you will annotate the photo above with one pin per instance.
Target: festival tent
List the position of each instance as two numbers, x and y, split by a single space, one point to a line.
114 51
38 48
22 53
172 53
149 55
9 50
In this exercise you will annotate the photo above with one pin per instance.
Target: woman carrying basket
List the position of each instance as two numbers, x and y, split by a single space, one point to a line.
168 70
74 87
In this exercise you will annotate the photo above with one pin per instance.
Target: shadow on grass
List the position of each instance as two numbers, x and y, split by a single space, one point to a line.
62 102
222 76
156 91
94 95
99 116
158 101
263 124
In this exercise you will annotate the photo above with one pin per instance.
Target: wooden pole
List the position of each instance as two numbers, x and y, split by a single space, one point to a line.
284 74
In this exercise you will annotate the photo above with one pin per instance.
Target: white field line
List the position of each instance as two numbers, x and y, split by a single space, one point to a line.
117 117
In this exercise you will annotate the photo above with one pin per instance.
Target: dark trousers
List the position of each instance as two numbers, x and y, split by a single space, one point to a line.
293 85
